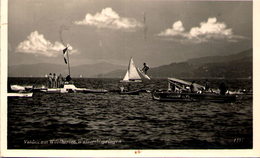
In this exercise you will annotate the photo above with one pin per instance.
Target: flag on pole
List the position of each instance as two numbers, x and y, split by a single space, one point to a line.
64 54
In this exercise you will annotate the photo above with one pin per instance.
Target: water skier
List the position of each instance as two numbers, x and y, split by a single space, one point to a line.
145 68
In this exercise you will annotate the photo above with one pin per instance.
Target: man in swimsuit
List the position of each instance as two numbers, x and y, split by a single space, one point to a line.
145 68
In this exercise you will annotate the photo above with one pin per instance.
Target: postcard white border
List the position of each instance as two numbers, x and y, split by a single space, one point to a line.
255 152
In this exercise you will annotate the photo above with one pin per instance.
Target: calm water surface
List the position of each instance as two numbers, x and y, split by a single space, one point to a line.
113 121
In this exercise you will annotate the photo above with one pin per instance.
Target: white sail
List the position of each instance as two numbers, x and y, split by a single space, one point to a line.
131 73
126 78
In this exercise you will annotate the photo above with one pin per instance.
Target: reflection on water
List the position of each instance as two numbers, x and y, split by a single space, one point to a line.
112 121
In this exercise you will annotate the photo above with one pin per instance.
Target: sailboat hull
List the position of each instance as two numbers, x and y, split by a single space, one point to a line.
131 81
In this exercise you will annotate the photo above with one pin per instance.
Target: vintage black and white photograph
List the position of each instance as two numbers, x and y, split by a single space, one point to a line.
130 74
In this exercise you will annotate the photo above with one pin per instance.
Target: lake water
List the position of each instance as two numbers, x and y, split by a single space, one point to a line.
113 121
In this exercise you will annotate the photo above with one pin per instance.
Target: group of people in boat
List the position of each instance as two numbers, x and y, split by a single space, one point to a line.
193 88
55 81
222 88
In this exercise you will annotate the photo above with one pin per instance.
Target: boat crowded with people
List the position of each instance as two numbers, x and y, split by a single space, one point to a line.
184 91
58 85
68 86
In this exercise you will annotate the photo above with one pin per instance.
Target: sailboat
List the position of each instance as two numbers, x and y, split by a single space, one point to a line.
131 73
132 76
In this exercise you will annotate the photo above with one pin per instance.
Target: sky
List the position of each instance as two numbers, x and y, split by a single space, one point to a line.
157 32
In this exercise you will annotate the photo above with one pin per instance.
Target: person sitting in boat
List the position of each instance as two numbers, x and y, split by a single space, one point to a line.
122 88
207 85
125 88
223 88
145 68
193 87
172 87
68 78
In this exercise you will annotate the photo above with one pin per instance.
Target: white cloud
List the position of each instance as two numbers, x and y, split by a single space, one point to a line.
209 30
108 18
177 29
37 44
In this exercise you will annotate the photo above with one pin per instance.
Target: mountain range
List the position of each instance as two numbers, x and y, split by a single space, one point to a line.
239 65
41 69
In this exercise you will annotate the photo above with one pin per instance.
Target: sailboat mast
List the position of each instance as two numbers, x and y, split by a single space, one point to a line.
68 61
